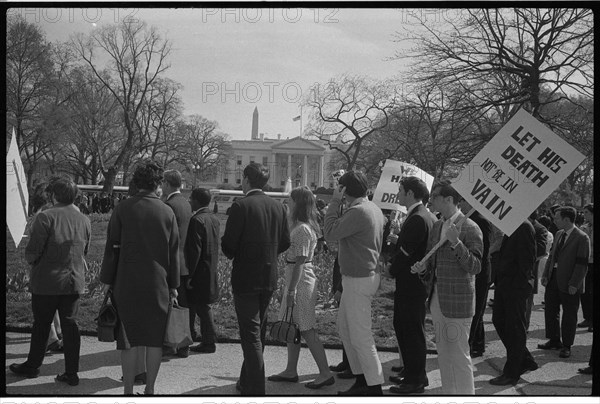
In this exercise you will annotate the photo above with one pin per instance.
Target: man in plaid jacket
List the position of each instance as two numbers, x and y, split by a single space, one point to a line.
450 273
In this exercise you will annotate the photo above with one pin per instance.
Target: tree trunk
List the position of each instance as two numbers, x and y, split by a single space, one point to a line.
109 179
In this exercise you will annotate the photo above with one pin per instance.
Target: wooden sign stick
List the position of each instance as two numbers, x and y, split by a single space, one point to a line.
443 238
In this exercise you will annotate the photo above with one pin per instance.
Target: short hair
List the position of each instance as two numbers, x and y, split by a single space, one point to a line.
417 186
257 174
567 212
173 178
321 204
589 207
201 195
356 184
132 190
148 175
446 189
553 208
545 221
65 191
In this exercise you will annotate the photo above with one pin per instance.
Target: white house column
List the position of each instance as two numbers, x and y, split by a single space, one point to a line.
305 171
289 172
321 170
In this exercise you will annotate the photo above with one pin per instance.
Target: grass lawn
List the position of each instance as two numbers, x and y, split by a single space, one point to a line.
18 300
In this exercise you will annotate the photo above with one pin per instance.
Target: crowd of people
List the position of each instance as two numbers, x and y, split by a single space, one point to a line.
443 256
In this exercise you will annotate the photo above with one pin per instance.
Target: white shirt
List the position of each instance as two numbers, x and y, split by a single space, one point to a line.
412 207
171 194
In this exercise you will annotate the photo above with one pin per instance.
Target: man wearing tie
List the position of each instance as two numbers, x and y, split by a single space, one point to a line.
451 272
563 278
411 294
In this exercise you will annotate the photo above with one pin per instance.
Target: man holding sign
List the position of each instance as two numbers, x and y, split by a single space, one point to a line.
451 273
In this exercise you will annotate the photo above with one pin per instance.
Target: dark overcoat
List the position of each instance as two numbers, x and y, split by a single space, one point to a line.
145 267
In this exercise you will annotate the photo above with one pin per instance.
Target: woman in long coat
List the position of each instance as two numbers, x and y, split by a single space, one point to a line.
141 265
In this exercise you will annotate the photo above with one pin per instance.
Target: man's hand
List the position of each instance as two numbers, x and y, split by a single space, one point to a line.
452 234
392 238
338 193
572 290
544 281
417 268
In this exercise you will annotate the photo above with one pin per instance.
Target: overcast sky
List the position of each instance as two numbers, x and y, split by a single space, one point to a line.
232 60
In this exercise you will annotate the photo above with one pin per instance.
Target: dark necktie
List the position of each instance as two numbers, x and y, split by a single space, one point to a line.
559 246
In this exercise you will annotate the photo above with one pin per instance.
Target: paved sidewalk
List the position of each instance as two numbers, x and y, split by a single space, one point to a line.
216 374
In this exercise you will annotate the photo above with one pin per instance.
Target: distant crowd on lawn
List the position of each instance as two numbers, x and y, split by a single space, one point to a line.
162 250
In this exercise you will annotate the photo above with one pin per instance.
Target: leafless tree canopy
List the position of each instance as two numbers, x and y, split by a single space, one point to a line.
347 110
532 49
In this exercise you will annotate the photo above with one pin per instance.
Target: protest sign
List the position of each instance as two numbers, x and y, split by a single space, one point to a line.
17 196
387 187
516 171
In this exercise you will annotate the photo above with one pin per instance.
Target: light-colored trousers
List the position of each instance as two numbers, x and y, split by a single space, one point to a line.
452 343
354 327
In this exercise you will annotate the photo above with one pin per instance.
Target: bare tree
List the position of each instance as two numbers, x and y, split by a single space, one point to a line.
29 70
207 150
539 49
137 56
157 121
94 134
435 128
346 111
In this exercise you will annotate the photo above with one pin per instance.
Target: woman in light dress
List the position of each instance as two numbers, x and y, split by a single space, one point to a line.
301 291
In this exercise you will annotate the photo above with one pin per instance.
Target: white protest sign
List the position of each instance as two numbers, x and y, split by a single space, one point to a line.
17 196
516 171
387 187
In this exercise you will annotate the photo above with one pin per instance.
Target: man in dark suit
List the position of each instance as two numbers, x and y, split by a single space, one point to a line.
410 295
482 283
183 212
563 278
256 232
451 273
202 256
514 282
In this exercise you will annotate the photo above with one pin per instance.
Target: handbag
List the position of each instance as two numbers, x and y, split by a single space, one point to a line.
178 334
286 330
107 319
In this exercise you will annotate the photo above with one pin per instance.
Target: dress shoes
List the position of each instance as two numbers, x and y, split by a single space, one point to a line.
204 348
565 352
550 345
408 388
70 379
183 352
397 369
340 367
584 323
396 379
586 371
279 378
346 374
316 386
24 370
504 380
